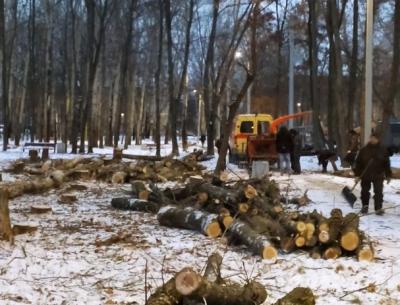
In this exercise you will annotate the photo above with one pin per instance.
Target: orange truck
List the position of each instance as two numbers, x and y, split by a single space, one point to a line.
253 136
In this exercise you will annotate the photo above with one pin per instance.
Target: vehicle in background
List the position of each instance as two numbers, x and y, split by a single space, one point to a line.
253 136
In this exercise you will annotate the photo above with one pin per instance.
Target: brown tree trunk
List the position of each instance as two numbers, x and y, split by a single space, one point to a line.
4 58
318 136
394 77
157 77
173 102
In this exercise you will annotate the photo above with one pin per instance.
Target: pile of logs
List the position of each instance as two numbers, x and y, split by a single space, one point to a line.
115 170
189 287
250 213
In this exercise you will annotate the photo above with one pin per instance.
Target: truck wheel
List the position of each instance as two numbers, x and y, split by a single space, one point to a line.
233 158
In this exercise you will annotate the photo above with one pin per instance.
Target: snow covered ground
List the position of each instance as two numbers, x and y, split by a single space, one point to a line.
64 263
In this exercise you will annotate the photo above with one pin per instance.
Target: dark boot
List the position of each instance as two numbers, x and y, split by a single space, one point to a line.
364 210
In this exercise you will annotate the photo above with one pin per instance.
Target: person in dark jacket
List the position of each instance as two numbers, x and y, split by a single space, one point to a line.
373 166
202 139
324 156
295 152
284 145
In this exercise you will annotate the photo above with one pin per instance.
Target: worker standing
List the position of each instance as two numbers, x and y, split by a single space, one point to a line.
295 153
373 166
284 145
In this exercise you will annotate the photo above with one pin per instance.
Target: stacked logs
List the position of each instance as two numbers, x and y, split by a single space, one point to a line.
250 213
114 170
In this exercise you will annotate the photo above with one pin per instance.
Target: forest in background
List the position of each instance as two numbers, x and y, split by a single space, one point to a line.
92 70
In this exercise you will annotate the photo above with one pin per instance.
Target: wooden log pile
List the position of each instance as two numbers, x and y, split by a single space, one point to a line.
250 213
115 170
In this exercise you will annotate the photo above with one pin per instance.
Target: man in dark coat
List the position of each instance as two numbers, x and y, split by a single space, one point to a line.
373 166
296 151
284 145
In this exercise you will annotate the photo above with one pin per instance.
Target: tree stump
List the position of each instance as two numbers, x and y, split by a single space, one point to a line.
45 154
33 156
298 296
40 209
117 154
259 169
5 222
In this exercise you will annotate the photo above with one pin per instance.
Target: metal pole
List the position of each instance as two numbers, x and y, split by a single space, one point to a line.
199 117
291 77
368 72
248 110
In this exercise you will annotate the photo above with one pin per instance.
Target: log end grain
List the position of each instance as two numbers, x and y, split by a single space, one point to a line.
213 230
323 236
332 253
227 221
187 281
350 241
269 252
366 253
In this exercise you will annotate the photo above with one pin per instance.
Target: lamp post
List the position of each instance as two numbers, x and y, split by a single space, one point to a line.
366 131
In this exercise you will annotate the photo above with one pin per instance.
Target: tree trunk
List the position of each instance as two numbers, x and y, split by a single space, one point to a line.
173 102
394 77
318 136
5 222
4 58
157 77
353 78
209 62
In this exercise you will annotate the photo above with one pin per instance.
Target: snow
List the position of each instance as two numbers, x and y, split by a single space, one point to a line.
61 264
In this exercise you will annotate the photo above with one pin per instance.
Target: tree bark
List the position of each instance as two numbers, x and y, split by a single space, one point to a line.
318 136
394 77
173 102
189 218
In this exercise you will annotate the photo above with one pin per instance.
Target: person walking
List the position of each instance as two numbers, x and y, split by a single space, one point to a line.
373 166
284 145
295 153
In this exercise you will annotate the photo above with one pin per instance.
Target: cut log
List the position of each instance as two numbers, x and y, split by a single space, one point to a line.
365 252
258 244
76 187
301 227
298 296
243 208
23 228
316 253
140 190
40 209
225 221
119 178
250 192
188 283
46 166
332 252
212 272
67 198
350 236
5 222
300 241
165 295
134 204
189 218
